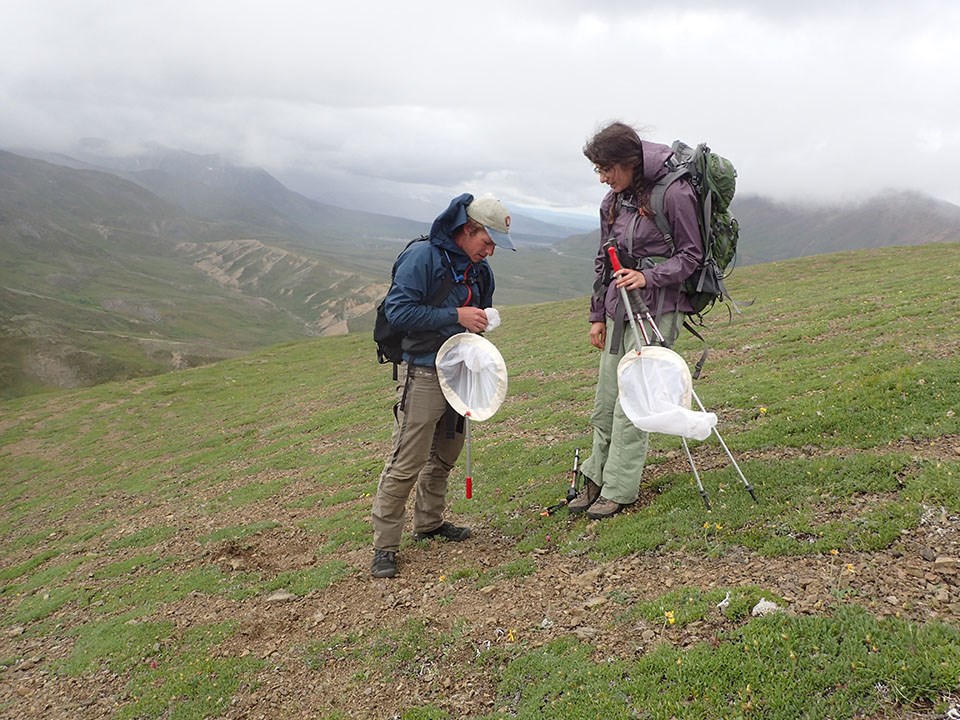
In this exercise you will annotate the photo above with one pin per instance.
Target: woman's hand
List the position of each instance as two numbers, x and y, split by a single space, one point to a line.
630 279
598 334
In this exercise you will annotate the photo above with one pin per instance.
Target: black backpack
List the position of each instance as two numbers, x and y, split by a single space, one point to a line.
714 179
389 340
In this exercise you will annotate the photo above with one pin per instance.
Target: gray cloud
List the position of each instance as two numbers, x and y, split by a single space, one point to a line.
818 100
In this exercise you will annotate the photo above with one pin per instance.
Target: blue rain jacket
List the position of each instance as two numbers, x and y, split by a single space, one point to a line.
418 274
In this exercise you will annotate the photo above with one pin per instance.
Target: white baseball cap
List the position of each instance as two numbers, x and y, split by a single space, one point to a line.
490 212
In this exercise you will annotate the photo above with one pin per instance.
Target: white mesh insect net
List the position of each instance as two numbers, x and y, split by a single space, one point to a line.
472 374
656 391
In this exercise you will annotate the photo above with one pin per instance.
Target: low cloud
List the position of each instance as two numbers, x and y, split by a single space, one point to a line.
816 101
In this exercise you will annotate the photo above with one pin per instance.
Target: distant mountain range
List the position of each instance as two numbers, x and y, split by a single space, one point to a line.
772 231
117 266
778 231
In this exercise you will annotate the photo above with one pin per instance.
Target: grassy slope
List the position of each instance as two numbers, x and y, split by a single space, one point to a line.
117 500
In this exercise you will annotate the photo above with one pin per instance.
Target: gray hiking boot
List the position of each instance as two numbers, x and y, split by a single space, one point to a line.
384 564
586 498
447 531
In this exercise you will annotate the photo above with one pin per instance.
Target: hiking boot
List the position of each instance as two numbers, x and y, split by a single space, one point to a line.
604 508
586 498
384 564
447 531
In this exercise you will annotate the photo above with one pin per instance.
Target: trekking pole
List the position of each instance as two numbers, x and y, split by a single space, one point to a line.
733 462
696 475
642 310
639 332
572 490
635 306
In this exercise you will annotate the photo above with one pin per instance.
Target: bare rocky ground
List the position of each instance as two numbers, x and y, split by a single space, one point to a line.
916 579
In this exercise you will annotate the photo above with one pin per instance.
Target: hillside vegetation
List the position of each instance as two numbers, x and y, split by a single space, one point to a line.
197 544
188 260
127 267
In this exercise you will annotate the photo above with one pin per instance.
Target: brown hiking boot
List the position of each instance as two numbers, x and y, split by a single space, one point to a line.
586 498
604 508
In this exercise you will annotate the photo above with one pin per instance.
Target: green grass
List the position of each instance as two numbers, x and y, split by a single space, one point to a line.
839 392
183 680
302 582
413 649
342 530
238 532
778 667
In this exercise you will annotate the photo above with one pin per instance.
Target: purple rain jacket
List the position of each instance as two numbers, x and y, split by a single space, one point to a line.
638 237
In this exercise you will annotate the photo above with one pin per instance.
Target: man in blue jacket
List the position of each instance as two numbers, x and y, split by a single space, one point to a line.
426 438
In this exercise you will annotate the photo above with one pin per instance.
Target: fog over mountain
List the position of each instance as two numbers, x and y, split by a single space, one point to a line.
380 106
124 265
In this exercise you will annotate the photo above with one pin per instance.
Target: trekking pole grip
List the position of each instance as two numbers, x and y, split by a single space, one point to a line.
611 249
636 304
628 297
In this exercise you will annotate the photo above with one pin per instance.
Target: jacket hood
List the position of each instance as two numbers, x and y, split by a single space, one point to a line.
447 222
655 156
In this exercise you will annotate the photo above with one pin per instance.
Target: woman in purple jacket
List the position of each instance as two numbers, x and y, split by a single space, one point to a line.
631 168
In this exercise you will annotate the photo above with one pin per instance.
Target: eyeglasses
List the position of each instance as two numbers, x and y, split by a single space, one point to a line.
602 170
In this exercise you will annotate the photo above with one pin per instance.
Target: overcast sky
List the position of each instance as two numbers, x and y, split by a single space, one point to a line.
811 100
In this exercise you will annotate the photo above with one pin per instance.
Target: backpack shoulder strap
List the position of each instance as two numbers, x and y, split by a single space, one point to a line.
484 276
446 284
656 202
393 270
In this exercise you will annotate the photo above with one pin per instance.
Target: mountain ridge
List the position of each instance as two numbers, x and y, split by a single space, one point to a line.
772 230
117 266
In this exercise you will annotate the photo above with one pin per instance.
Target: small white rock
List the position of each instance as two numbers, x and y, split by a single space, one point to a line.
764 607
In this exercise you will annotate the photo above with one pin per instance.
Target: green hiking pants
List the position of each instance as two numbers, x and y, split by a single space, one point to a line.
619 449
425 449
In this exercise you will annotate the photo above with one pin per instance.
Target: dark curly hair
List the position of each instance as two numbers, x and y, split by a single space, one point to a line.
619 144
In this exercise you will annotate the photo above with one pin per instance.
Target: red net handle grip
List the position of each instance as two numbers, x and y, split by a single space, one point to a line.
634 300
614 257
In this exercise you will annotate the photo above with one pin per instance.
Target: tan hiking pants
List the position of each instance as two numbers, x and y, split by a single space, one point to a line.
619 448
423 454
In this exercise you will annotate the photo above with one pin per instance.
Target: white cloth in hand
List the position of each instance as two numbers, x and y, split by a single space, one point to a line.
493 319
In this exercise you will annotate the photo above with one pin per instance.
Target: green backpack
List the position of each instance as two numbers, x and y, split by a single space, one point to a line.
714 180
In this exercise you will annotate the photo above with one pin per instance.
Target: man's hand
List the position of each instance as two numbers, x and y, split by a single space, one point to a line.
473 319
